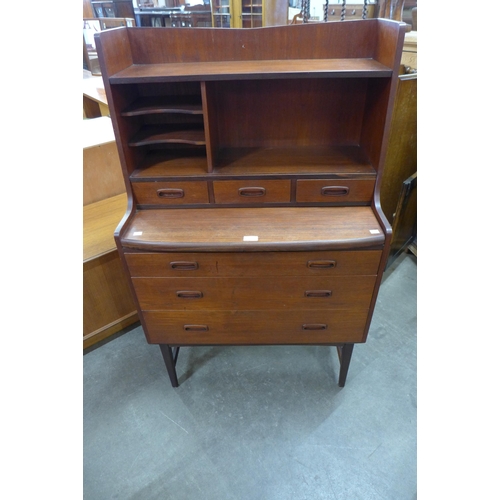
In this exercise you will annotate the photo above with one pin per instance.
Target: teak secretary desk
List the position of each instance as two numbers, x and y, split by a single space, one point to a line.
252 160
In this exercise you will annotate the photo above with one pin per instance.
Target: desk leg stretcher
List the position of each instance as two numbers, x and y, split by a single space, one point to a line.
170 357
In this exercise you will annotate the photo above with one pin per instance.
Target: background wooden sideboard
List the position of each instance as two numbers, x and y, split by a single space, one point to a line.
107 301
398 192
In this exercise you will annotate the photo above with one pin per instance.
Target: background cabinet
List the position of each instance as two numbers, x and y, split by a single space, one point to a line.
398 192
108 305
113 8
249 13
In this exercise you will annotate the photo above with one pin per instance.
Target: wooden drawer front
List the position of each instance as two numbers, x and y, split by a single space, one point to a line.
170 193
327 263
255 327
334 191
343 292
258 191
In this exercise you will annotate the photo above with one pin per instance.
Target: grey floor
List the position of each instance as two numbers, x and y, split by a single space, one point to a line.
258 423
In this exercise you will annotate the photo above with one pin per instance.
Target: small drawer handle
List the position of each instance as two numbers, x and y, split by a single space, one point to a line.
184 265
314 326
196 328
170 193
318 293
335 190
188 294
252 191
321 264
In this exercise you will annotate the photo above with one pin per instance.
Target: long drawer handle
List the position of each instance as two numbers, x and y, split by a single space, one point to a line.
170 193
196 328
318 293
314 326
189 294
182 265
252 191
335 190
321 264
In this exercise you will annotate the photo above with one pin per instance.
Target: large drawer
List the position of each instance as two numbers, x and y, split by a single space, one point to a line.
334 191
255 327
325 263
289 293
171 193
255 191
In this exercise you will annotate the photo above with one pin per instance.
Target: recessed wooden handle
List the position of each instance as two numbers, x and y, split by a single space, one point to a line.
252 191
189 294
321 264
170 193
335 190
196 328
314 326
184 265
318 293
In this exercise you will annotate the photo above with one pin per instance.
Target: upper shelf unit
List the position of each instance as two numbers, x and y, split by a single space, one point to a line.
354 48
265 102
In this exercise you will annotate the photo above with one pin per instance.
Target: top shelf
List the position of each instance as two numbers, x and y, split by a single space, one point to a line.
354 48
233 70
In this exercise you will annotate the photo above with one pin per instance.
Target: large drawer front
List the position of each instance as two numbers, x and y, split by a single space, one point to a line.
255 327
327 263
334 191
258 191
289 293
171 193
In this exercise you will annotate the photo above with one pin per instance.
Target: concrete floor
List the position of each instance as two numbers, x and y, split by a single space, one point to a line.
258 423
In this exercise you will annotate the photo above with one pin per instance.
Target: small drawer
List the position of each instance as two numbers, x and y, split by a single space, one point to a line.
255 191
334 190
171 193
253 264
255 327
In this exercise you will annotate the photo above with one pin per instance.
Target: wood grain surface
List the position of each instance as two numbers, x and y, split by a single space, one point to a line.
329 263
227 229
255 327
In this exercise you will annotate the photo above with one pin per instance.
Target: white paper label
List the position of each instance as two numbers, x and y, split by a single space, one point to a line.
137 233
250 238
374 231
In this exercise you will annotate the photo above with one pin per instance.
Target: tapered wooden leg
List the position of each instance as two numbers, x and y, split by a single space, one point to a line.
170 360
345 353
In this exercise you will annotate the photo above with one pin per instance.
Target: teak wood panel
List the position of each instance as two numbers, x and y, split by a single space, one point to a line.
306 112
258 191
323 264
289 292
255 327
277 228
171 193
334 190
